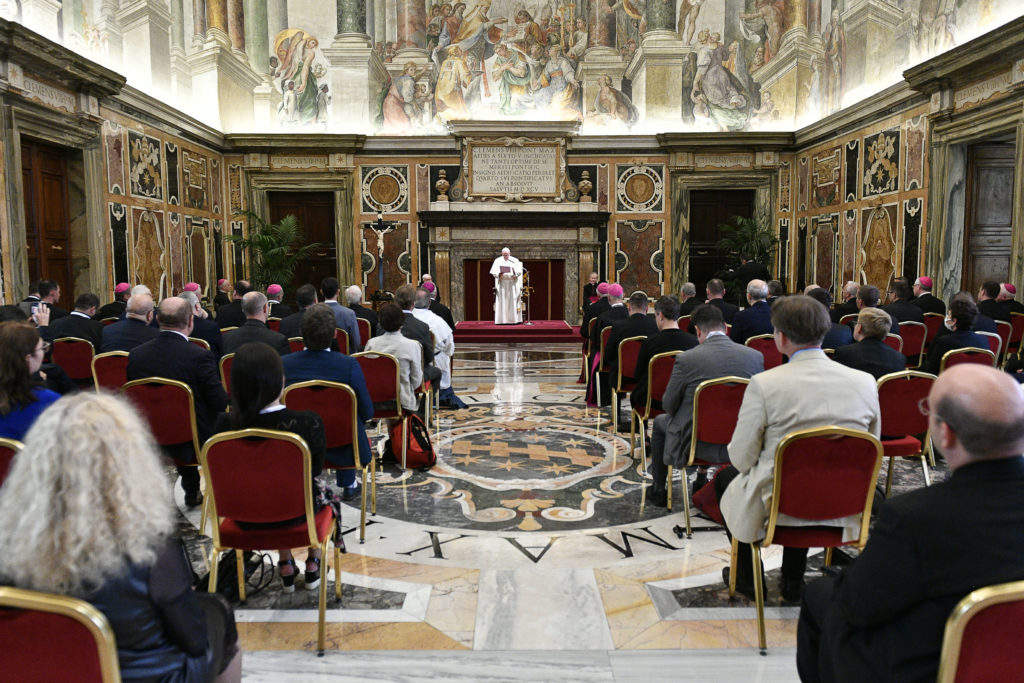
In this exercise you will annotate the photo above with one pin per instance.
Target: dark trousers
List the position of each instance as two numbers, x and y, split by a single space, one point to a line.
814 610
794 560
189 479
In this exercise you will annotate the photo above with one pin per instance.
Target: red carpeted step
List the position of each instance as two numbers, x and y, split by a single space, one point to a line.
545 331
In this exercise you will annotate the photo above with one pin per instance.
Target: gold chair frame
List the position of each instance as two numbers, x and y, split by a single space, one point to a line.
999 344
225 376
927 454
924 342
617 389
635 417
108 354
401 412
199 342
966 349
973 604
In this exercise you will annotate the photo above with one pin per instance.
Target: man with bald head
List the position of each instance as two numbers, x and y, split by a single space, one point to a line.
171 355
883 618
134 329
256 309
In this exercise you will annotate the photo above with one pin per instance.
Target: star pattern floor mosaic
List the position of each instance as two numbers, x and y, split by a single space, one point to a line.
532 532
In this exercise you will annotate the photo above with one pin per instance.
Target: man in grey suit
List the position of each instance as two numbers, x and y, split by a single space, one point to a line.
716 356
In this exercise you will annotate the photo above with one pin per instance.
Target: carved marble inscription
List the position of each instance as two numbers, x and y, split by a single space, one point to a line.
530 170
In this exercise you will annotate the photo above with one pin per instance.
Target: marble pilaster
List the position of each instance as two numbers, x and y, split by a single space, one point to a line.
661 15
871 28
257 41
217 22
658 62
42 17
380 21
236 26
357 75
181 77
412 30
146 32
785 75
352 16
72 21
110 31
277 18
198 23
226 83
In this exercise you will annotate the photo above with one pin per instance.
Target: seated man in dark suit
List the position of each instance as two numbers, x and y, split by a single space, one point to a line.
688 299
958 332
756 318
202 327
869 297
638 324
317 361
353 297
871 354
671 434
221 298
883 617
669 338
49 293
849 305
924 299
116 307
277 309
900 309
593 311
135 329
838 335
989 304
716 297
616 311
172 356
230 315
418 331
256 310
305 296
80 322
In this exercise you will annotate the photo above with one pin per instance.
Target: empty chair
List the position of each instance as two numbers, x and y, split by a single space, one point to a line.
225 371
74 356
625 378
342 338
110 370
904 427
1005 332
915 336
982 637
659 371
765 343
364 329
995 343
967 355
932 321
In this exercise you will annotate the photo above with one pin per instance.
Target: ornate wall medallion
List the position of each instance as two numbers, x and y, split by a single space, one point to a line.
640 189
385 189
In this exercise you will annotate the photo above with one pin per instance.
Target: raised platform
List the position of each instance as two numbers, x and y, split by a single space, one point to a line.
547 331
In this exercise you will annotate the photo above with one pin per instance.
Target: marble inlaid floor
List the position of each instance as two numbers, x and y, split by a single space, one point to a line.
532 534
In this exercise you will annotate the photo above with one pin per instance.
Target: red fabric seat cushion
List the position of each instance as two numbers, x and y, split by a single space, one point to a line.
808 537
901 447
291 536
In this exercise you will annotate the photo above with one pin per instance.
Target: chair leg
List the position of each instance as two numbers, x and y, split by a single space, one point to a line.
321 626
597 396
405 439
931 452
337 573
362 507
686 499
615 412
240 571
373 478
643 449
732 567
204 514
634 419
668 484
755 555
828 557
888 478
214 566
924 470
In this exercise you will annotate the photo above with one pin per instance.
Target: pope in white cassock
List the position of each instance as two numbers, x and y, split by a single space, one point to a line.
508 284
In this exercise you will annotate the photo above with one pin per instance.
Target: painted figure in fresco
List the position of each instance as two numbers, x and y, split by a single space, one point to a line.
452 81
938 26
613 104
537 60
513 73
766 113
769 19
524 33
757 61
636 10
834 39
449 29
398 110
580 39
435 24
705 49
288 110
689 10
557 94
476 33
295 50
730 62
721 92
323 103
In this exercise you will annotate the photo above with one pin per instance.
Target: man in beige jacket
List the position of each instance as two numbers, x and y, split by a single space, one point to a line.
807 392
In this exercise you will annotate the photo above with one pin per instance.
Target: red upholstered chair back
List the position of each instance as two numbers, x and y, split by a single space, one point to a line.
296 344
898 396
274 324
108 321
684 322
967 355
823 474
169 408
606 332
382 374
110 370
895 341
628 350
933 321
765 343
716 407
8 449
46 637
334 402
848 319
225 372
74 356
586 341
1005 331
982 639
342 337
914 335
1017 333
201 343
659 372
364 330
995 342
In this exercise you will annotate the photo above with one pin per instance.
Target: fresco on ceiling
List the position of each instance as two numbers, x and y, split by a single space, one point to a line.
734 64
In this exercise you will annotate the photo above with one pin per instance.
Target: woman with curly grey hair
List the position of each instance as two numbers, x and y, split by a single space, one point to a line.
87 511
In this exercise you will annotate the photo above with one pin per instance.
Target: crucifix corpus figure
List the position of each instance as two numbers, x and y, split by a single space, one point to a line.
508 286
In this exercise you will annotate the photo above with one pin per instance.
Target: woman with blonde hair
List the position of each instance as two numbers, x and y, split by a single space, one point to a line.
21 399
87 511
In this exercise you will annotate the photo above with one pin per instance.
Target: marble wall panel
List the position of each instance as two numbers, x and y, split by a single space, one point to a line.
852 150
849 245
117 215
216 185
424 189
113 157
196 180
197 245
639 244
824 251
801 254
237 255
913 212
173 179
882 162
149 242
878 252
803 183
825 171
234 189
784 252
785 187
603 175
218 253
145 166
916 137
177 261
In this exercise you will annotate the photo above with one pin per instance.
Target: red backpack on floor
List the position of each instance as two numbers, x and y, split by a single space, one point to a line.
419 452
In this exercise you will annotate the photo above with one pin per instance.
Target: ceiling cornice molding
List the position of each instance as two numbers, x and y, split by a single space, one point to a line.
294 143
725 142
892 100
149 110
995 51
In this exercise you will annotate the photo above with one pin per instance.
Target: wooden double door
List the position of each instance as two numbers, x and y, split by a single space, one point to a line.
315 213
44 176
546 279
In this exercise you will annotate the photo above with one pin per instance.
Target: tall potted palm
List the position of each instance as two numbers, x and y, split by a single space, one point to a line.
275 249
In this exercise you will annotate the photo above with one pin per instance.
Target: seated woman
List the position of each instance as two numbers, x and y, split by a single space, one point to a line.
407 351
871 354
957 333
257 382
87 511
21 399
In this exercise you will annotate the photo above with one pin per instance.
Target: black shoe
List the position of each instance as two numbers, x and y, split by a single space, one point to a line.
312 579
744 586
658 497
700 481
350 492
792 590
193 499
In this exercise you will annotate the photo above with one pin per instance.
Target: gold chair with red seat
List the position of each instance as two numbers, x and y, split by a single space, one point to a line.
659 371
903 424
225 372
684 322
894 341
1005 332
588 353
337 405
74 356
995 344
383 374
201 343
625 379
262 477
716 409
1016 333
8 449
108 321
341 336
48 637
765 343
110 370
932 321
968 354
364 330
602 367
274 324
296 344
170 410
820 474
848 319
914 336
982 637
